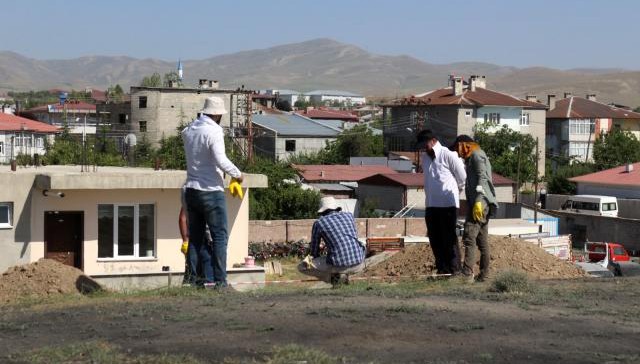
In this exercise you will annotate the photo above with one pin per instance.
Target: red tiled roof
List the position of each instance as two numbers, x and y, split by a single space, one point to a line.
479 97
98 95
328 114
71 107
339 173
500 180
612 177
10 122
398 179
578 107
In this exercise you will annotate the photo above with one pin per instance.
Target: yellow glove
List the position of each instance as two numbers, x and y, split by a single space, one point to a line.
235 188
185 247
308 262
478 211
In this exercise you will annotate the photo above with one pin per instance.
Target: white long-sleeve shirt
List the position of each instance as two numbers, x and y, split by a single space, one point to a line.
444 177
206 157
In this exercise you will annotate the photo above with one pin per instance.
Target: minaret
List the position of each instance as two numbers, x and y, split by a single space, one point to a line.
179 70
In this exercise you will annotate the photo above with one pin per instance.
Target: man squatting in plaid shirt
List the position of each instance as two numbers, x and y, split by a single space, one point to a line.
345 253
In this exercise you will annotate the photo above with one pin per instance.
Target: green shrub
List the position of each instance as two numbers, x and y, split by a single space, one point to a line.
511 281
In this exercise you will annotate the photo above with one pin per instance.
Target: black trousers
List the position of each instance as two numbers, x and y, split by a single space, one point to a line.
441 230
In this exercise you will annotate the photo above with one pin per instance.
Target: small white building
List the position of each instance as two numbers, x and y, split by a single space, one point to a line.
329 96
118 225
22 136
278 136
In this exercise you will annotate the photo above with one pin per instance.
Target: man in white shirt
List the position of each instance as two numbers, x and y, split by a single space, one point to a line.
444 178
204 195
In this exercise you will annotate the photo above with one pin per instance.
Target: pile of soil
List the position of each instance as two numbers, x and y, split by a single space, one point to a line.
43 278
506 254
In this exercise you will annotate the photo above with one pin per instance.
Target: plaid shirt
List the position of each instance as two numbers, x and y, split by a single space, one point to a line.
338 230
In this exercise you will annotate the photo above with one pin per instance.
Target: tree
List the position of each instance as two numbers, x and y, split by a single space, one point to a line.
171 77
283 105
558 182
155 80
615 148
115 93
507 149
358 141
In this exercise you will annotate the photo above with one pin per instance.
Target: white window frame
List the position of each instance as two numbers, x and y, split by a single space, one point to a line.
9 223
136 232
525 119
581 126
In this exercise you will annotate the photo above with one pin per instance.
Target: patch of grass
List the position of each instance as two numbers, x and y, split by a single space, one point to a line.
512 282
299 354
410 309
94 352
465 328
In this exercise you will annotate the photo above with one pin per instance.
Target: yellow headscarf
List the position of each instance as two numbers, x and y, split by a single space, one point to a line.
465 149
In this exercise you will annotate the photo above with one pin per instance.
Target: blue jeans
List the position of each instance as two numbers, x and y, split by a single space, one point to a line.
207 208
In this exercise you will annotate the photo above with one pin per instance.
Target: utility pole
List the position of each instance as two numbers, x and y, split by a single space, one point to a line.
535 194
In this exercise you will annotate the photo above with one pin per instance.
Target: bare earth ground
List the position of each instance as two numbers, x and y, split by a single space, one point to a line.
569 321
44 319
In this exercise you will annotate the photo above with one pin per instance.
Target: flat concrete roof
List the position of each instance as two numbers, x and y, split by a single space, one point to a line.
114 178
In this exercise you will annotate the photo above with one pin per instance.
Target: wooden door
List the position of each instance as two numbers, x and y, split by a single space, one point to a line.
63 236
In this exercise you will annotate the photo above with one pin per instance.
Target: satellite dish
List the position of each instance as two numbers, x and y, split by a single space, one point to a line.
131 139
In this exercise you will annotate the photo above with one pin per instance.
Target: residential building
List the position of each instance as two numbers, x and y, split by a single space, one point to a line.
398 165
290 96
574 123
80 117
20 135
278 136
621 182
157 112
328 114
328 97
458 109
118 225
392 192
338 173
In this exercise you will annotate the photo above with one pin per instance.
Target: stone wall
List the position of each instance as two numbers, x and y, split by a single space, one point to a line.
294 230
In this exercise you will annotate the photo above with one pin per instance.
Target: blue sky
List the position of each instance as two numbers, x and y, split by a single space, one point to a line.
560 34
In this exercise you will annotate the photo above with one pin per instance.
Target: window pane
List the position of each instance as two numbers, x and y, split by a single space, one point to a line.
125 230
4 214
105 231
146 228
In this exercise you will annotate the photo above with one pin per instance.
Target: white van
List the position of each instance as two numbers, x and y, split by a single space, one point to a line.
592 205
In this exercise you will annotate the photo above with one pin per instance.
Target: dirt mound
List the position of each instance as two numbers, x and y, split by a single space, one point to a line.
43 278
506 253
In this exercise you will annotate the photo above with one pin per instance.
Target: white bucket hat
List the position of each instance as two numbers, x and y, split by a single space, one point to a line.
328 203
213 106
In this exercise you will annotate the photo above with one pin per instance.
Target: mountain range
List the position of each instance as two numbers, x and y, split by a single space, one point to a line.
317 64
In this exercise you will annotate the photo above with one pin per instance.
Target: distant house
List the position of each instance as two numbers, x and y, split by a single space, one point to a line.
20 135
157 112
327 97
392 192
80 117
338 173
291 96
621 182
398 165
278 136
457 109
328 114
574 123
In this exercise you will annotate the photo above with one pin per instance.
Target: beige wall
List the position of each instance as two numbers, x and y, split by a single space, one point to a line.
25 242
15 242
